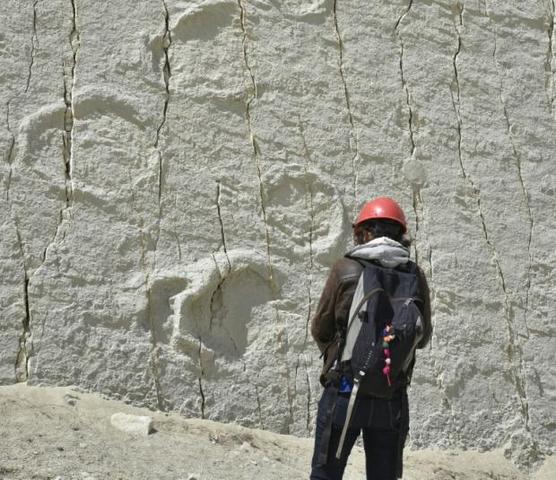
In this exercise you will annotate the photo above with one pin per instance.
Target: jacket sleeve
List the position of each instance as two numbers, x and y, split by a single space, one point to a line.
424 293
323 325
332 311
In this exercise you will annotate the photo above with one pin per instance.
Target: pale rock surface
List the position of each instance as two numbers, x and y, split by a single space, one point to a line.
179 176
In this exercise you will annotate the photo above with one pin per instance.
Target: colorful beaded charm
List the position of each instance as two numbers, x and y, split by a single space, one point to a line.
387 337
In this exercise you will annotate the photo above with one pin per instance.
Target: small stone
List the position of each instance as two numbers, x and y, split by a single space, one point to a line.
135 424
71 399
245 446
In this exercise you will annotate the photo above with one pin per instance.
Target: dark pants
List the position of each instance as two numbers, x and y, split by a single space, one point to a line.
381 422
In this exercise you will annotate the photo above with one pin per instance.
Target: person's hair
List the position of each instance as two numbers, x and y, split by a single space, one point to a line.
381 228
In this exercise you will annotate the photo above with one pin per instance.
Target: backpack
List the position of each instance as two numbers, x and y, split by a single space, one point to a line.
385 326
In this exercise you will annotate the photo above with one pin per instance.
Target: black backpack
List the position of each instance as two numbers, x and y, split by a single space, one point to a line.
384 329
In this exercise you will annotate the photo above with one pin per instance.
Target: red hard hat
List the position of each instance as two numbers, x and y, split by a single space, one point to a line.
382 207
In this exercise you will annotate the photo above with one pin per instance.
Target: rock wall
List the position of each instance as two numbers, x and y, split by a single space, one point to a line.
179 176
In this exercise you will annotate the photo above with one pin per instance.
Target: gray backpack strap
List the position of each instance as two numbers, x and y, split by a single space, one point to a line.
351 405
358 306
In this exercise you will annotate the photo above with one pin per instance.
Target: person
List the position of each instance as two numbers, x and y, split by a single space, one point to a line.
379 234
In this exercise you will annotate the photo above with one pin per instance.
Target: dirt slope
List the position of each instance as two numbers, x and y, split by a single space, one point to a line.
63 434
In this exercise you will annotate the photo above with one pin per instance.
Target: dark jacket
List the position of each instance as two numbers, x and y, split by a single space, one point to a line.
331 318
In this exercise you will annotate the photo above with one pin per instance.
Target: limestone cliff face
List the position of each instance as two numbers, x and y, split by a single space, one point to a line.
178 177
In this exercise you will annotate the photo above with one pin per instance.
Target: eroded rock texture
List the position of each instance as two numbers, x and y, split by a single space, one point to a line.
178 177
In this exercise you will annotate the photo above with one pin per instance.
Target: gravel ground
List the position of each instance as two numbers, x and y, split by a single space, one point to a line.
64 434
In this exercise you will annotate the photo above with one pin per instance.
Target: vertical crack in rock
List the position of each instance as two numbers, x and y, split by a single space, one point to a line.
11 148
234 344
69 117
69 113
514 346
200 379
292 395
153 359
256 150
432 293
167 74
202 398
456 102
311 265
517 157
525 194
353 138
310 201
23 353
224 276
217 290
154 355
291 392
22 357
416 191
309 396
284 346
551 84
403 79
34 44
10 152
429 259
259 409
417 208
221 222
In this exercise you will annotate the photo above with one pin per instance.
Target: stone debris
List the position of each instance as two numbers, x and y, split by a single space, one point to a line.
71 399
134 424
245 446
182 450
